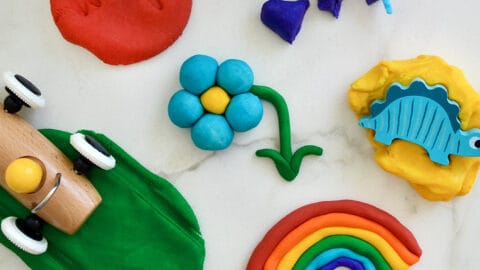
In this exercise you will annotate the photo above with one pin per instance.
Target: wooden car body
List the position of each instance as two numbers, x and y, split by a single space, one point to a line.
74 200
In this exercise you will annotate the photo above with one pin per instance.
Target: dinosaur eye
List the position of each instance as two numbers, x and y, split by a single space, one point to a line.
475 142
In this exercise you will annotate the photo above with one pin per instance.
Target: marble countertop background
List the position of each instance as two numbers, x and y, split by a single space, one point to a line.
237 197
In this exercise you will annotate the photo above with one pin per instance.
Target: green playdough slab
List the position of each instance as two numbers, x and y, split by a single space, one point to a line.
143 222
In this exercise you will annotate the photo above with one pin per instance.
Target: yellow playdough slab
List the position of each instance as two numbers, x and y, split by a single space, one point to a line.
410 161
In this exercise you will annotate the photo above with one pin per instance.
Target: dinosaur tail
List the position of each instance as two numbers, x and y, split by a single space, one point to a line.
365 122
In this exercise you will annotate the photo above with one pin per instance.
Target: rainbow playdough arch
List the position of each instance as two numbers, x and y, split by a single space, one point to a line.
331 234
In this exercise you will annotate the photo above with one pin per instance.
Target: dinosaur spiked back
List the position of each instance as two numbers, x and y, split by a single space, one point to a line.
436 93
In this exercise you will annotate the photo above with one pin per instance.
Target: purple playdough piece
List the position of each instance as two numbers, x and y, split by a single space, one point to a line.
345 262
332 5
386 4
284 17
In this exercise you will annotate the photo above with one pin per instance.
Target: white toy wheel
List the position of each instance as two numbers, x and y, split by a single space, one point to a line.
19 239
93 151
23 90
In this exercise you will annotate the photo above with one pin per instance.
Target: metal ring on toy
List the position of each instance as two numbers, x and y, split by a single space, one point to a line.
26 234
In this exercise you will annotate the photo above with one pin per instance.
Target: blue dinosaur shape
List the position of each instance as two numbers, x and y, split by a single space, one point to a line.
424 115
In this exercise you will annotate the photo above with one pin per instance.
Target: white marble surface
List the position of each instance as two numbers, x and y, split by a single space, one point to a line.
237 197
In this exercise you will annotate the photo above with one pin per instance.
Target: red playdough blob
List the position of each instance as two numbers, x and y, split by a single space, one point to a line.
121 31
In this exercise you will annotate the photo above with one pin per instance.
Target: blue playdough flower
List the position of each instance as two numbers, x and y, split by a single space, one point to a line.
218 100
215 102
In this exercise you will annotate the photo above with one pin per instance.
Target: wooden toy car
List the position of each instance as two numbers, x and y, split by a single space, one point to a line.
40 176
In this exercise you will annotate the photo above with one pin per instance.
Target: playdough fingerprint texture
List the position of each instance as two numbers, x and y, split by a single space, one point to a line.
298 239
142 222
121 31
411 161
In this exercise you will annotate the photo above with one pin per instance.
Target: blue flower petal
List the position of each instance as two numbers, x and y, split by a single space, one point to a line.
244 112
235 76
184 109
198 73
212 132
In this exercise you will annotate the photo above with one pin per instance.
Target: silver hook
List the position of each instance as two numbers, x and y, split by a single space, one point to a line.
42 203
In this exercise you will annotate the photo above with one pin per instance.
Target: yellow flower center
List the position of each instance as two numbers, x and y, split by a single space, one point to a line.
215 100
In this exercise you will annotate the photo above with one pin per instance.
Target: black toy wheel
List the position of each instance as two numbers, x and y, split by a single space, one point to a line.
25 234
91 153
21 93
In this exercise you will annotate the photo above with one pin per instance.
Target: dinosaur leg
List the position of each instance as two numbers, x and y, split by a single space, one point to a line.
439 157
383 138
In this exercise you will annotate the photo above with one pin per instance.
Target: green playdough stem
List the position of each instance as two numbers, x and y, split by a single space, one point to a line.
143 222
288 164
343 241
